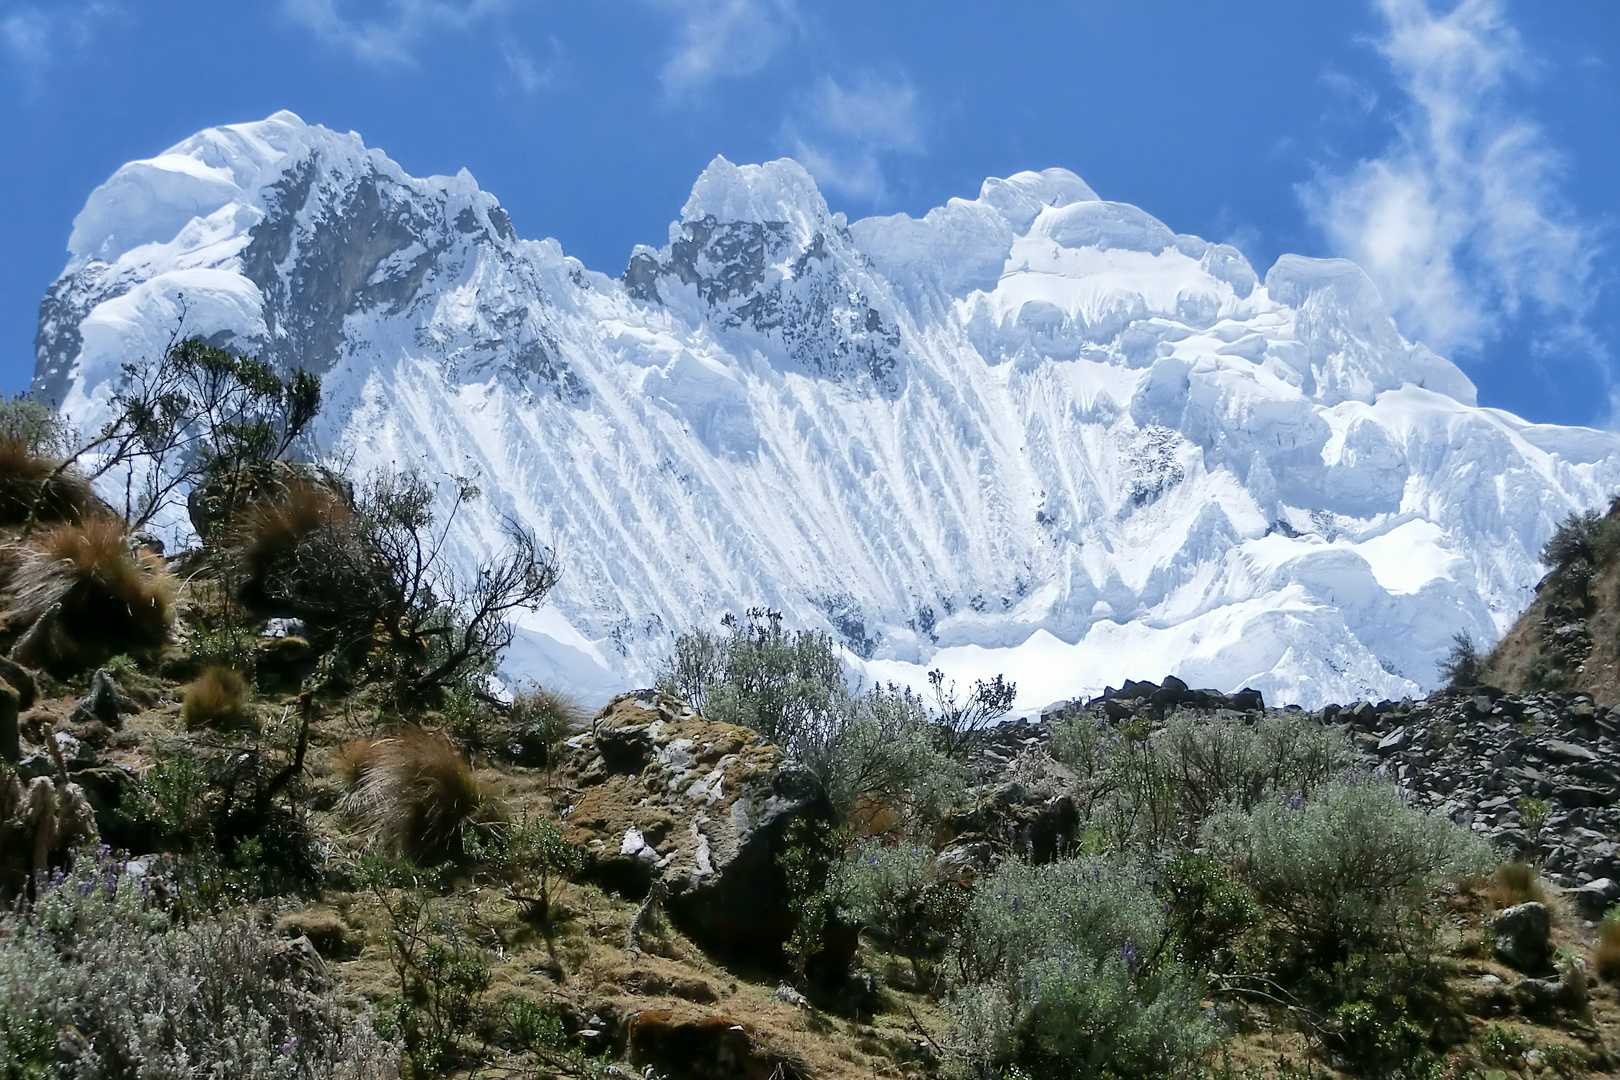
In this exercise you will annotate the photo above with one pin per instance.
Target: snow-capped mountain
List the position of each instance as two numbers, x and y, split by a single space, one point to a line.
1035 432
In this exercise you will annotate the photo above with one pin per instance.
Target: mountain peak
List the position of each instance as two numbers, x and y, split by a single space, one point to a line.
1022 196
780 190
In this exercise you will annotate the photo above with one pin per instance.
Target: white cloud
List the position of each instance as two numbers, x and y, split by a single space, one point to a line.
844 132
390 36
32 37
723 39
1460 221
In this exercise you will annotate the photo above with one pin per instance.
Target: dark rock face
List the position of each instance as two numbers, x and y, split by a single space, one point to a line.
818 309
706 1048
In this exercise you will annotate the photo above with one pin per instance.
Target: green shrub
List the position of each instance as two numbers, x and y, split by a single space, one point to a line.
1207 907
1070 974
887 890
960 720
876 754
878 763
375 586
441 974
1462 669
232 819
757 675
1350 869
1154 789
98 981
532 859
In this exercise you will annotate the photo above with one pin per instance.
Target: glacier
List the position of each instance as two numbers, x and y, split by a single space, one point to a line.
1035 432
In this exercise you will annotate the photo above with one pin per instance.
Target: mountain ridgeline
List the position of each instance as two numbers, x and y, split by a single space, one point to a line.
1037 421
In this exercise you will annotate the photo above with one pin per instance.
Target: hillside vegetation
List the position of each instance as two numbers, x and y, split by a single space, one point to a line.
1569 637
264 813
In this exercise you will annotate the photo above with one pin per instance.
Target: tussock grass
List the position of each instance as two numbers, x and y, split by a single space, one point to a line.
217 697
1516 883
353 759
26 476
1607 960
417 795
540 720
112 597
270 529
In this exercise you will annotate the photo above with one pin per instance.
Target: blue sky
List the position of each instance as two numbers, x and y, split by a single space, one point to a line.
1466 153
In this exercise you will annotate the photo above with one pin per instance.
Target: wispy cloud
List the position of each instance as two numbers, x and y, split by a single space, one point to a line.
1460 221
718 39
530 73
32 37
389 36
844 132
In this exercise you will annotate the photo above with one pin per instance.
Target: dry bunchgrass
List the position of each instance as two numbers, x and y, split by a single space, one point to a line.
540 720
269 529
417 795
110 594
1607 960
1516 883
352 760
30 484
217 697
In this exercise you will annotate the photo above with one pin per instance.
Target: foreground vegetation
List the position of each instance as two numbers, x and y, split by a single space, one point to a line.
352 858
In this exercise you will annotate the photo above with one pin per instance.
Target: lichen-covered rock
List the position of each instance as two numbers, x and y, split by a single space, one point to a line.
665 793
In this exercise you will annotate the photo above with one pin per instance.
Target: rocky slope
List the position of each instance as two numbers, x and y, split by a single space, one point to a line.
1034 431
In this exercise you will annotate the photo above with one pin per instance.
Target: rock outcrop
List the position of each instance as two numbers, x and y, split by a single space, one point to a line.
660 793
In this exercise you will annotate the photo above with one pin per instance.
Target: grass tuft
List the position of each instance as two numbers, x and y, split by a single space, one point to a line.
216 698
417 795
26 477
1516 883
268 530
113 598
540 720
1607 961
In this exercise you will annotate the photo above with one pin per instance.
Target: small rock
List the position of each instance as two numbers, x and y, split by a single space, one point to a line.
1574 795
106 702
1523 936
1559 750
790 996
1594 897
1395 741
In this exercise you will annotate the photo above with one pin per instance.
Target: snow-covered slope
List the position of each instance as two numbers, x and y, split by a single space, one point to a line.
1034 431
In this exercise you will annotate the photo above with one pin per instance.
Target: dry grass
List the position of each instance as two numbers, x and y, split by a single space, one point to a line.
217 697
417 795
540 721
111 595
1607 960
353 760
1516 883
266 530
26 477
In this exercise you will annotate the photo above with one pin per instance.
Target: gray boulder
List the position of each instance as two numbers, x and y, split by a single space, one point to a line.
1524 936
